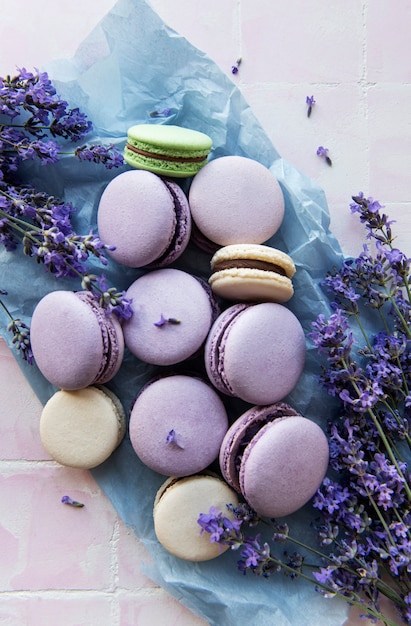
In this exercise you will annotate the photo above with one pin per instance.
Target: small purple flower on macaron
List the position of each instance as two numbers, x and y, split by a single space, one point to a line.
323 152
166 320
71 502
310 103
172 439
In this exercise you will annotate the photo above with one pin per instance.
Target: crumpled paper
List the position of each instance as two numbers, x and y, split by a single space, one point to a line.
130 65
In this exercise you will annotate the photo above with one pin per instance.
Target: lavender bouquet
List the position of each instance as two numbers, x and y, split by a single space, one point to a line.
364 551
33 120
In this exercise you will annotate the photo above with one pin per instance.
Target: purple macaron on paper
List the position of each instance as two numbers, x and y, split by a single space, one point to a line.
131 64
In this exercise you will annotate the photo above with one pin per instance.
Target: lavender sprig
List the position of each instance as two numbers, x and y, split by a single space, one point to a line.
32 218
35 116
323 153
259 557
310 104
20 332
369 509
71 502
236 66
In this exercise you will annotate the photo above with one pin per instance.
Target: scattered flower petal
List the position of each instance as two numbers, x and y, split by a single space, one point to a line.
68 500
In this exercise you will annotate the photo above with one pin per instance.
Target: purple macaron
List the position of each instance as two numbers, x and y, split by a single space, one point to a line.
234 199
75 342
177 424
173 312
275 458
255 352
146 218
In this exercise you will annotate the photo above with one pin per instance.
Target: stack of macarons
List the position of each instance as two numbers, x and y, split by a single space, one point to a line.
78 348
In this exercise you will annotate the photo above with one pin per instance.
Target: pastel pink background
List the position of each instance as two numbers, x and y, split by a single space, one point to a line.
69 567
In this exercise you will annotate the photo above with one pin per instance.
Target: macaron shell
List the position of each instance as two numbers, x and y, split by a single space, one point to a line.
186 406
66 340
251 285
170 293
234 199
176 511
240 434
258 355
136 215
283 466
82 428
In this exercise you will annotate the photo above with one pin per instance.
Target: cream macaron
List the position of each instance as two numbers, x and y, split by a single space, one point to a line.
178 505
252 273
82 428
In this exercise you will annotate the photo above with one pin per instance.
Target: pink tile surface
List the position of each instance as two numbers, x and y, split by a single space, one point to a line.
296 41
83 567
388 47
20 436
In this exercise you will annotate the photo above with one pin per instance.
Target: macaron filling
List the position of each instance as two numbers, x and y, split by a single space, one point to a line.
242 432
249 264
217 372
181 232
253 429
150 152
166 149
110 338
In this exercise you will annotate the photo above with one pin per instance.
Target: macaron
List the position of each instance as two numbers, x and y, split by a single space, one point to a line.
177 424
255 352
275 458
234 199
167 150
82 428
252 272
145 217
75 342
173 312
179 503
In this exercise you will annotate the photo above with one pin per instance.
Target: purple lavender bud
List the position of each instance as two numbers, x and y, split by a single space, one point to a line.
323 152
161 322
68 500
172 439
166 320
310 103
234 68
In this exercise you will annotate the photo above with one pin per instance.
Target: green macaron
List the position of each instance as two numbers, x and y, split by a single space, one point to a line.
167 150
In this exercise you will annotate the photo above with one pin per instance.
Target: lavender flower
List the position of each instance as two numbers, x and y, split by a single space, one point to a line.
221 529
20 332
163 321
162 113
235 67
107 155
173 439
310 103
323 153
39 222
43 114
366 514
71 502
